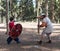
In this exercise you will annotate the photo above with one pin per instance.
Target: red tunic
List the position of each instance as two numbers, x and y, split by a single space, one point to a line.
11 24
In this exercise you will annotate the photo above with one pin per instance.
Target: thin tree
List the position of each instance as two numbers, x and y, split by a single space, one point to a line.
46 7
7 14
52 10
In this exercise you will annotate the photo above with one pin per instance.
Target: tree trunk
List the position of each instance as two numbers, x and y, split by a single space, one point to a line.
11 8
46 7
52 11
39 11
7 14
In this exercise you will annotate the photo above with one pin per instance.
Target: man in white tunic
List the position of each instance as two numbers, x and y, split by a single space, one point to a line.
48 27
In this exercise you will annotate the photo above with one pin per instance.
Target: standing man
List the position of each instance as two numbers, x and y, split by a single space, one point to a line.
48 27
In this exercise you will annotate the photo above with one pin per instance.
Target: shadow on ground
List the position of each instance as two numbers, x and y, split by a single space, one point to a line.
29 40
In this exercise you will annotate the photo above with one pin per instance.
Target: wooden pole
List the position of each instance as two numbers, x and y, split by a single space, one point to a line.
39 11
7 14
11 8
46 6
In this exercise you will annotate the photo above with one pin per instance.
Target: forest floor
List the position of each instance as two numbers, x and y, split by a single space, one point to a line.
29 38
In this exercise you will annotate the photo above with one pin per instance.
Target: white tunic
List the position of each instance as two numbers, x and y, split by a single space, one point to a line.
49 27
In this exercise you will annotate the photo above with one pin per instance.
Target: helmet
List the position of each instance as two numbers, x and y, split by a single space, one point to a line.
42 14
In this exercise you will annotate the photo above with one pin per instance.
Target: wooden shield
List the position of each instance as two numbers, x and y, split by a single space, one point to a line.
16 31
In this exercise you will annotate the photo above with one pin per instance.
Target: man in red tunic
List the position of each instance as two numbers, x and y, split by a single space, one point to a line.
11 24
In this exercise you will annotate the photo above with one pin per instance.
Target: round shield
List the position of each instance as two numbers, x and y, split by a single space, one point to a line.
16 31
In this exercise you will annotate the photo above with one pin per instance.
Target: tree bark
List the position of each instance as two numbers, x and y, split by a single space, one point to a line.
11 8
46 7
39 11
7 14
52 11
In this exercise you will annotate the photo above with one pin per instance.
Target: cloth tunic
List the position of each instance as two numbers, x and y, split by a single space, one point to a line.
49 28
11 24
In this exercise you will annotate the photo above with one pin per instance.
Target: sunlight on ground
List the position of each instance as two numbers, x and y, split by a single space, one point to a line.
26 47
3 49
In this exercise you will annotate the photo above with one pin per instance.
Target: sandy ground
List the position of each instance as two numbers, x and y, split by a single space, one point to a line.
29 38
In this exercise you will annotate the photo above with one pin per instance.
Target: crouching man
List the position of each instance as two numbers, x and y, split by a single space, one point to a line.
48 28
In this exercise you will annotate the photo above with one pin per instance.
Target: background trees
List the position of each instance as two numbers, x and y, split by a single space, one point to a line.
24 10
53 9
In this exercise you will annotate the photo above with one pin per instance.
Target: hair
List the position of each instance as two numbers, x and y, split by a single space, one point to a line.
11 18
